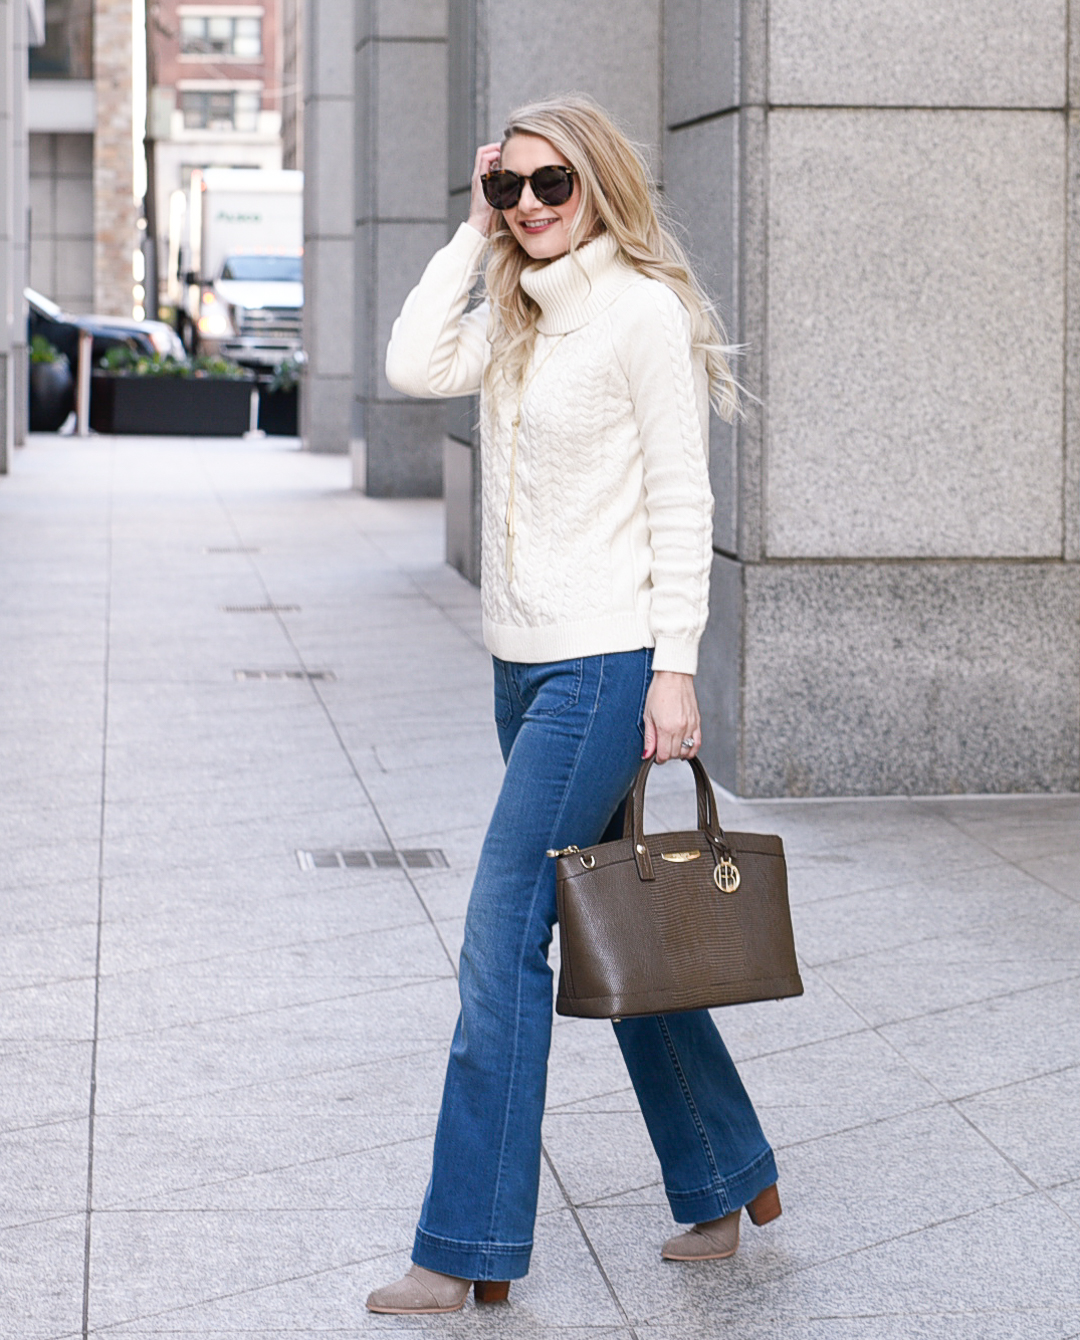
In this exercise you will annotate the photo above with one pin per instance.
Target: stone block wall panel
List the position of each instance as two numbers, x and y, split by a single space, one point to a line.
328 207
399 221
411 168
329 321
401 252
701 75
915 333
403 19
461 489
410 436
909 678
700 182
608 49
719 680
328 272
1071 507
970 53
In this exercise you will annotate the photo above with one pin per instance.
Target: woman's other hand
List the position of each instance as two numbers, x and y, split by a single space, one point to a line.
671 717
481 215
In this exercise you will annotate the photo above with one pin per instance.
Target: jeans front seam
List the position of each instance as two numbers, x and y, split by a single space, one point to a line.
688 1096
537 885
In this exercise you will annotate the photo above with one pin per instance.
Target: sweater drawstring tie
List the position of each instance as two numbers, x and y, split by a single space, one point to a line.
511 498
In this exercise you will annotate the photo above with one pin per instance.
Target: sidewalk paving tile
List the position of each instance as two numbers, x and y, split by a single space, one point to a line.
235 1060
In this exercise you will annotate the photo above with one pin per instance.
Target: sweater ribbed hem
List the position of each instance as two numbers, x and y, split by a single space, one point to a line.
566 641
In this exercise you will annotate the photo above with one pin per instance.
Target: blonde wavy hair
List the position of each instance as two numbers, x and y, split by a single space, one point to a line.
617 196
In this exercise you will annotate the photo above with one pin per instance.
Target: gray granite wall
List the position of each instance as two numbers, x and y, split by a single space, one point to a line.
12 233
19 189
879 197
399 222
897 593
327 397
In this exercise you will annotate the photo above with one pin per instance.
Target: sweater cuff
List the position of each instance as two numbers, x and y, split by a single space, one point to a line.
675 653
468 244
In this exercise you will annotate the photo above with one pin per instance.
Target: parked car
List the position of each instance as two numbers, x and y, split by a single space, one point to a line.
62 329
50 325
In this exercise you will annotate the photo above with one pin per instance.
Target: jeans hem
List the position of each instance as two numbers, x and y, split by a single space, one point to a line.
696 1207
472 1260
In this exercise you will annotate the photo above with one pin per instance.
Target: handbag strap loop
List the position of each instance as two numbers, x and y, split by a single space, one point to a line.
708 818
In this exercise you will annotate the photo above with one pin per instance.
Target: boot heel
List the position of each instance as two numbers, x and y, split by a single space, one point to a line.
491 1291
765 1206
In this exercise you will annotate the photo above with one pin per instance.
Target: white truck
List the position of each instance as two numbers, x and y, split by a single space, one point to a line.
245 291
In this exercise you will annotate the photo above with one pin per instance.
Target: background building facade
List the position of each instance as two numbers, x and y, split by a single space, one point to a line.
62 114
83 124
215 101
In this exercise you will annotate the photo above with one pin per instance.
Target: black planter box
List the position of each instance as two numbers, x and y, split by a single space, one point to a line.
170 406
52 395
279 412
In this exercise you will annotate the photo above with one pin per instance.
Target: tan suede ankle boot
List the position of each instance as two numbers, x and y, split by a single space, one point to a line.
422 1291
717 1239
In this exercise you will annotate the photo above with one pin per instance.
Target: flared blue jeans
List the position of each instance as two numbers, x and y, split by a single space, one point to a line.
571 735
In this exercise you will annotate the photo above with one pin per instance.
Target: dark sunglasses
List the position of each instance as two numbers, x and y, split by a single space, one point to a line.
552 185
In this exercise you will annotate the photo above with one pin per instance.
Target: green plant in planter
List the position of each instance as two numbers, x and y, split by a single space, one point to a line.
213 365
125 362
44 351
287 374
132 363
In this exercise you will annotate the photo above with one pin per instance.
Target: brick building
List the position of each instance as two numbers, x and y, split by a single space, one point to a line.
215 100
85 164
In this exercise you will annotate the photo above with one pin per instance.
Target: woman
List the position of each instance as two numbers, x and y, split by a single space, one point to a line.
595 355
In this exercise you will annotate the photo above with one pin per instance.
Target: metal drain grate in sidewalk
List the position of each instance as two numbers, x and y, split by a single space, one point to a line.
417 858
231 549
324 676
260 609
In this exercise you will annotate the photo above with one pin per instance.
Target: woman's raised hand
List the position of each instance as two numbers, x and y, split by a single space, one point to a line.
672 719
481 214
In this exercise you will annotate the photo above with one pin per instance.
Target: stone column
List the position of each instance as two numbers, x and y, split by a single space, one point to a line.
897 585
115 211
13 194
7 79
504 53
400 222
19 190
326 396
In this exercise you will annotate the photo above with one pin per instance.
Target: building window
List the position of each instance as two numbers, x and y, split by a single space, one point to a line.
220 109
68 49
220 35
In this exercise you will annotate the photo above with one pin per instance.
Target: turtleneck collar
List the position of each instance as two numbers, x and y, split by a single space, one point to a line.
578 286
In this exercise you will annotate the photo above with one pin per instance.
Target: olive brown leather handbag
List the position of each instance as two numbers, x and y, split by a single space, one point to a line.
662 922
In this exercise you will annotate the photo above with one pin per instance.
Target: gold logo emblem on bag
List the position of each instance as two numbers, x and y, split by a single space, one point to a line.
680 855
726 876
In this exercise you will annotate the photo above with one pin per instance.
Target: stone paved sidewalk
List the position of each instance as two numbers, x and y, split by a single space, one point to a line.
222 1054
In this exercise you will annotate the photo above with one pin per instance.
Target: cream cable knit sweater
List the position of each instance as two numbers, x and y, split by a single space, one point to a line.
613 506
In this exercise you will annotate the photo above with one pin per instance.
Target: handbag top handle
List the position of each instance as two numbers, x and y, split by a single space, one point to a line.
708 819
